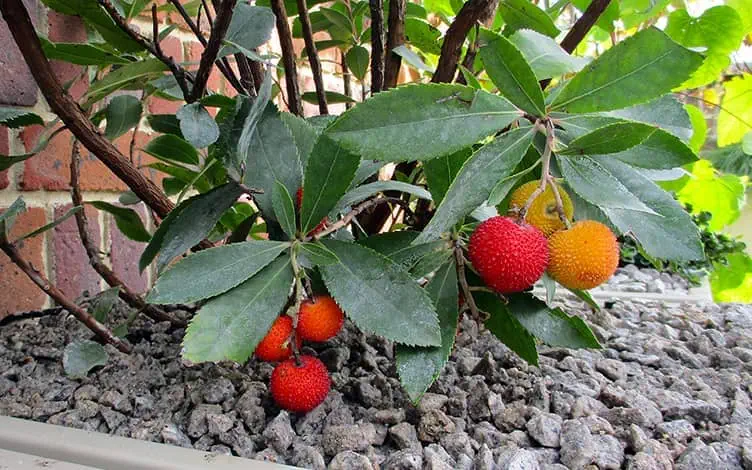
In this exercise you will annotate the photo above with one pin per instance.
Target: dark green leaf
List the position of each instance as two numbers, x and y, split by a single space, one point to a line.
477 178
521 14
609 139
423 35
659 151
666 113
420 122
211 272
357 60
127 221
398 247
197 125
317 254
332 97
123 114
171 148
338 18
103 303
361 193
291 6
284 208
80 54
513 76
165 124
229 327
440 172
71 212
544 55
303 134
505 326
419 367
188 224
8 216
552 326
251 26
379 296
128 198
15 118
79 357
125 76
328 174
470 78
638 69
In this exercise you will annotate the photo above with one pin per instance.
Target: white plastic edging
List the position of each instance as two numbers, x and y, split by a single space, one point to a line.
31 445
700 295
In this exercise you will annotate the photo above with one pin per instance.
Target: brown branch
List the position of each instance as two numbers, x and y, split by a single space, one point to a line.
584 24
459 258
20 26
469 15
395 37
209 56
346 79
128 296
313 56
58 296
288 57
347 218
377 45
246 75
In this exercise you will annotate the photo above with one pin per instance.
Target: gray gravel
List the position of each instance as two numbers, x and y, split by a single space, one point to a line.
671 389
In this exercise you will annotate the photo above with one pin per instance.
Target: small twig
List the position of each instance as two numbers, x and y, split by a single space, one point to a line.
469 59
545 166
377 45
313 56
584 24
249 190
209 56
246 74
209 18
294 104
58 296
299 292
347 218
128 296
395 38
466 292
346 79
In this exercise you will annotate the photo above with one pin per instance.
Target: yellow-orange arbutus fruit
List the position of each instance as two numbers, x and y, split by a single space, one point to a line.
542 213
583 256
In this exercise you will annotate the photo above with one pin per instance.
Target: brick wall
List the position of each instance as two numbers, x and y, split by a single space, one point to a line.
43 180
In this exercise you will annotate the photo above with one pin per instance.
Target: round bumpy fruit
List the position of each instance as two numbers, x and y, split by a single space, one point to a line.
300 388
583 256
542 212
319 319
275 345
509 255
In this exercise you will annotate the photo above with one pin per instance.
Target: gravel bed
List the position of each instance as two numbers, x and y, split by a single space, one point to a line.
670 389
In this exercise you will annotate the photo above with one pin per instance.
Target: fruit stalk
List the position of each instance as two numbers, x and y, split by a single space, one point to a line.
559 204
545 166
460 259
299 293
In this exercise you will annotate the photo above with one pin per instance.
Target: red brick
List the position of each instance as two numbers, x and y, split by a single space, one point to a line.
124 254
73 273
17 86
194 55
162 106
4 150
20 294
64 28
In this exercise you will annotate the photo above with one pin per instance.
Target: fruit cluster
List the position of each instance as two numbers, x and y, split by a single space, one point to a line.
300 383
511 253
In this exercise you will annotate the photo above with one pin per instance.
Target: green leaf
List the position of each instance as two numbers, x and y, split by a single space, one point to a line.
419 367
666 113
423 35
80 54
79 357
361 193
733 282
586 297
8 216
595 184
552 326
317 254
328 174
440 172
284 208
250 27
609 139
510 72
211 272
744 9
338 18
399 247
419 122
103 303
122 114
638 69
477 178
229 327
379 296
197 125
188 224
303 134
505 326
272 156
127 220
670 234
470 78
357 60
332 97
521 14
545 56
15 118
607 19
735 117
411 58
71 212
699 127
171 148
659 151
550 285
125 76
165 124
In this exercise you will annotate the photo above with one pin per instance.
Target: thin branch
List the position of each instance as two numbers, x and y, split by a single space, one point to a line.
209 56
294 104
469 60
18 22
583 25
377 45
189 22
313 56
347 218
395 37
559 203
128 296
152 47
545 174
246 74
469 15
346 79
58 296
466 292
